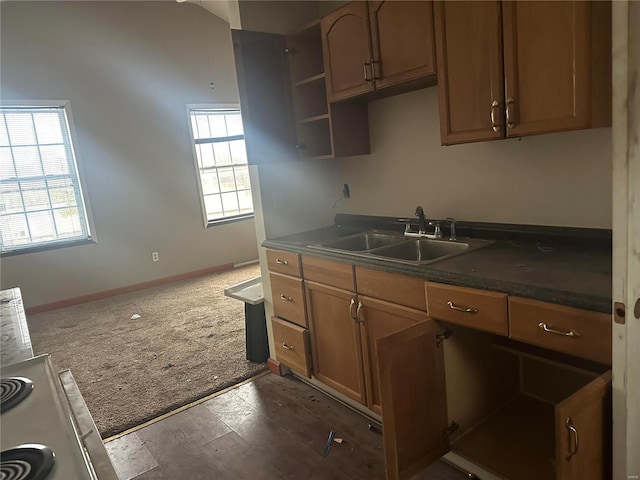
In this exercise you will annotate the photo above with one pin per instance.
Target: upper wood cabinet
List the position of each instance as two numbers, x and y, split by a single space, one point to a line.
402 41
372 45
323 130
510 69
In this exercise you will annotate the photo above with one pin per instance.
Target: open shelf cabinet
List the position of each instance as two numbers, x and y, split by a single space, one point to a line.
323 130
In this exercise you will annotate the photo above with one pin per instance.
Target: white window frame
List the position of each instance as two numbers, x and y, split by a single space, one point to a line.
73 140
211 106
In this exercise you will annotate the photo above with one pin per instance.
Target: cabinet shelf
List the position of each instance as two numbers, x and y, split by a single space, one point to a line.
315 118
311 79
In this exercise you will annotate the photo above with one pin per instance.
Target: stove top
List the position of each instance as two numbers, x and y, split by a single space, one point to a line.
26 462
42 417
13 390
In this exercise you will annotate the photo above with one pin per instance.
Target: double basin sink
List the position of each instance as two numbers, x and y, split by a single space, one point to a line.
396 247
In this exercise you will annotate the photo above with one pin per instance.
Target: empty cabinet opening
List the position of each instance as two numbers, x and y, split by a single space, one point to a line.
315 138
523 417
311 98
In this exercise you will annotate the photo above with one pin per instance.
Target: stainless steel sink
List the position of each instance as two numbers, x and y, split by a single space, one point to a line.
362 242
395 247
424 251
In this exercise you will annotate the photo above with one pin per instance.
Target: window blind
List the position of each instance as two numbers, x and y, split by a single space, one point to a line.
40 196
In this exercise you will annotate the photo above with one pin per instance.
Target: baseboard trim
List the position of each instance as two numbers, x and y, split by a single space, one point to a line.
274 366
126 289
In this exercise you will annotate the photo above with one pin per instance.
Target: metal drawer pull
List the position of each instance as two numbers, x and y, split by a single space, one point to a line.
358 312
575 444
281 262
351 305
287 347
366 72
571 333
510 122
453 306
285 298
494 122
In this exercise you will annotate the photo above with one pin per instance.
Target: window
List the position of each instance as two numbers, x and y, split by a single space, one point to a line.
218 140
41 200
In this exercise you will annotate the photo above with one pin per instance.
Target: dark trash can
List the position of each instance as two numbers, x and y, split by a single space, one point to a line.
250 292
256 332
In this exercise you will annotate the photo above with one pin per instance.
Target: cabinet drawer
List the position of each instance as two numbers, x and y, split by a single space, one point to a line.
578 332
392 287
291 343
284 262
338 275
288 298
472 308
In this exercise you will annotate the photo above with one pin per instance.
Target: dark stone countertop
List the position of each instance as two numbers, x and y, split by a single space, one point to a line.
576 275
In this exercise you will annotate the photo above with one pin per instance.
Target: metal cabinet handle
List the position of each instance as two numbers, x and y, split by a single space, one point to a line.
364 67
281 262
494 122
352 303
358 310
453 306
287 347
285 298
375 69
575 443
510 121
571 333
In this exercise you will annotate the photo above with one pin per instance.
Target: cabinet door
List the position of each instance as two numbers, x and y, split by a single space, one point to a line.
470 76
414 399
547 50
265 96
347 51
377 320
402 41
335 339
583 427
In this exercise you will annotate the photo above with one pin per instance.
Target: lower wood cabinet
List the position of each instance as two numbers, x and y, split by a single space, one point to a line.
450 380
521 417
565 329
335 339
291 343
410 365
377 320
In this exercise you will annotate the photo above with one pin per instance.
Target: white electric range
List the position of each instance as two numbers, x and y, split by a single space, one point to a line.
46 430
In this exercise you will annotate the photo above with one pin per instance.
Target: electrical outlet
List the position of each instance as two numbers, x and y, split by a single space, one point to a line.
155 256
345 191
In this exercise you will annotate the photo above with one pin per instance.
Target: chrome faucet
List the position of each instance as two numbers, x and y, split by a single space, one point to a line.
422 226
452 224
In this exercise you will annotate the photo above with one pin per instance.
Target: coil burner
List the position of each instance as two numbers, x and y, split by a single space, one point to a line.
13 390
26 462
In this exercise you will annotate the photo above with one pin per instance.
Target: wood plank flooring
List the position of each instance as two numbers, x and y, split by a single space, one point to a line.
273 428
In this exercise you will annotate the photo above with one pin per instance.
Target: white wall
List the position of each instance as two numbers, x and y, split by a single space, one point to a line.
552 179
128 70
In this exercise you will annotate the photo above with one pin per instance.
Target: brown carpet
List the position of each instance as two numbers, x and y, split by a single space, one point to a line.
188 342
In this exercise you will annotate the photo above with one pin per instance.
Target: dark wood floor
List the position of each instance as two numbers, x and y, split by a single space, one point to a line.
271 428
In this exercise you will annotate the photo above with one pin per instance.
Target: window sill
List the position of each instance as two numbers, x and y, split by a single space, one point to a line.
43 248
225 221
